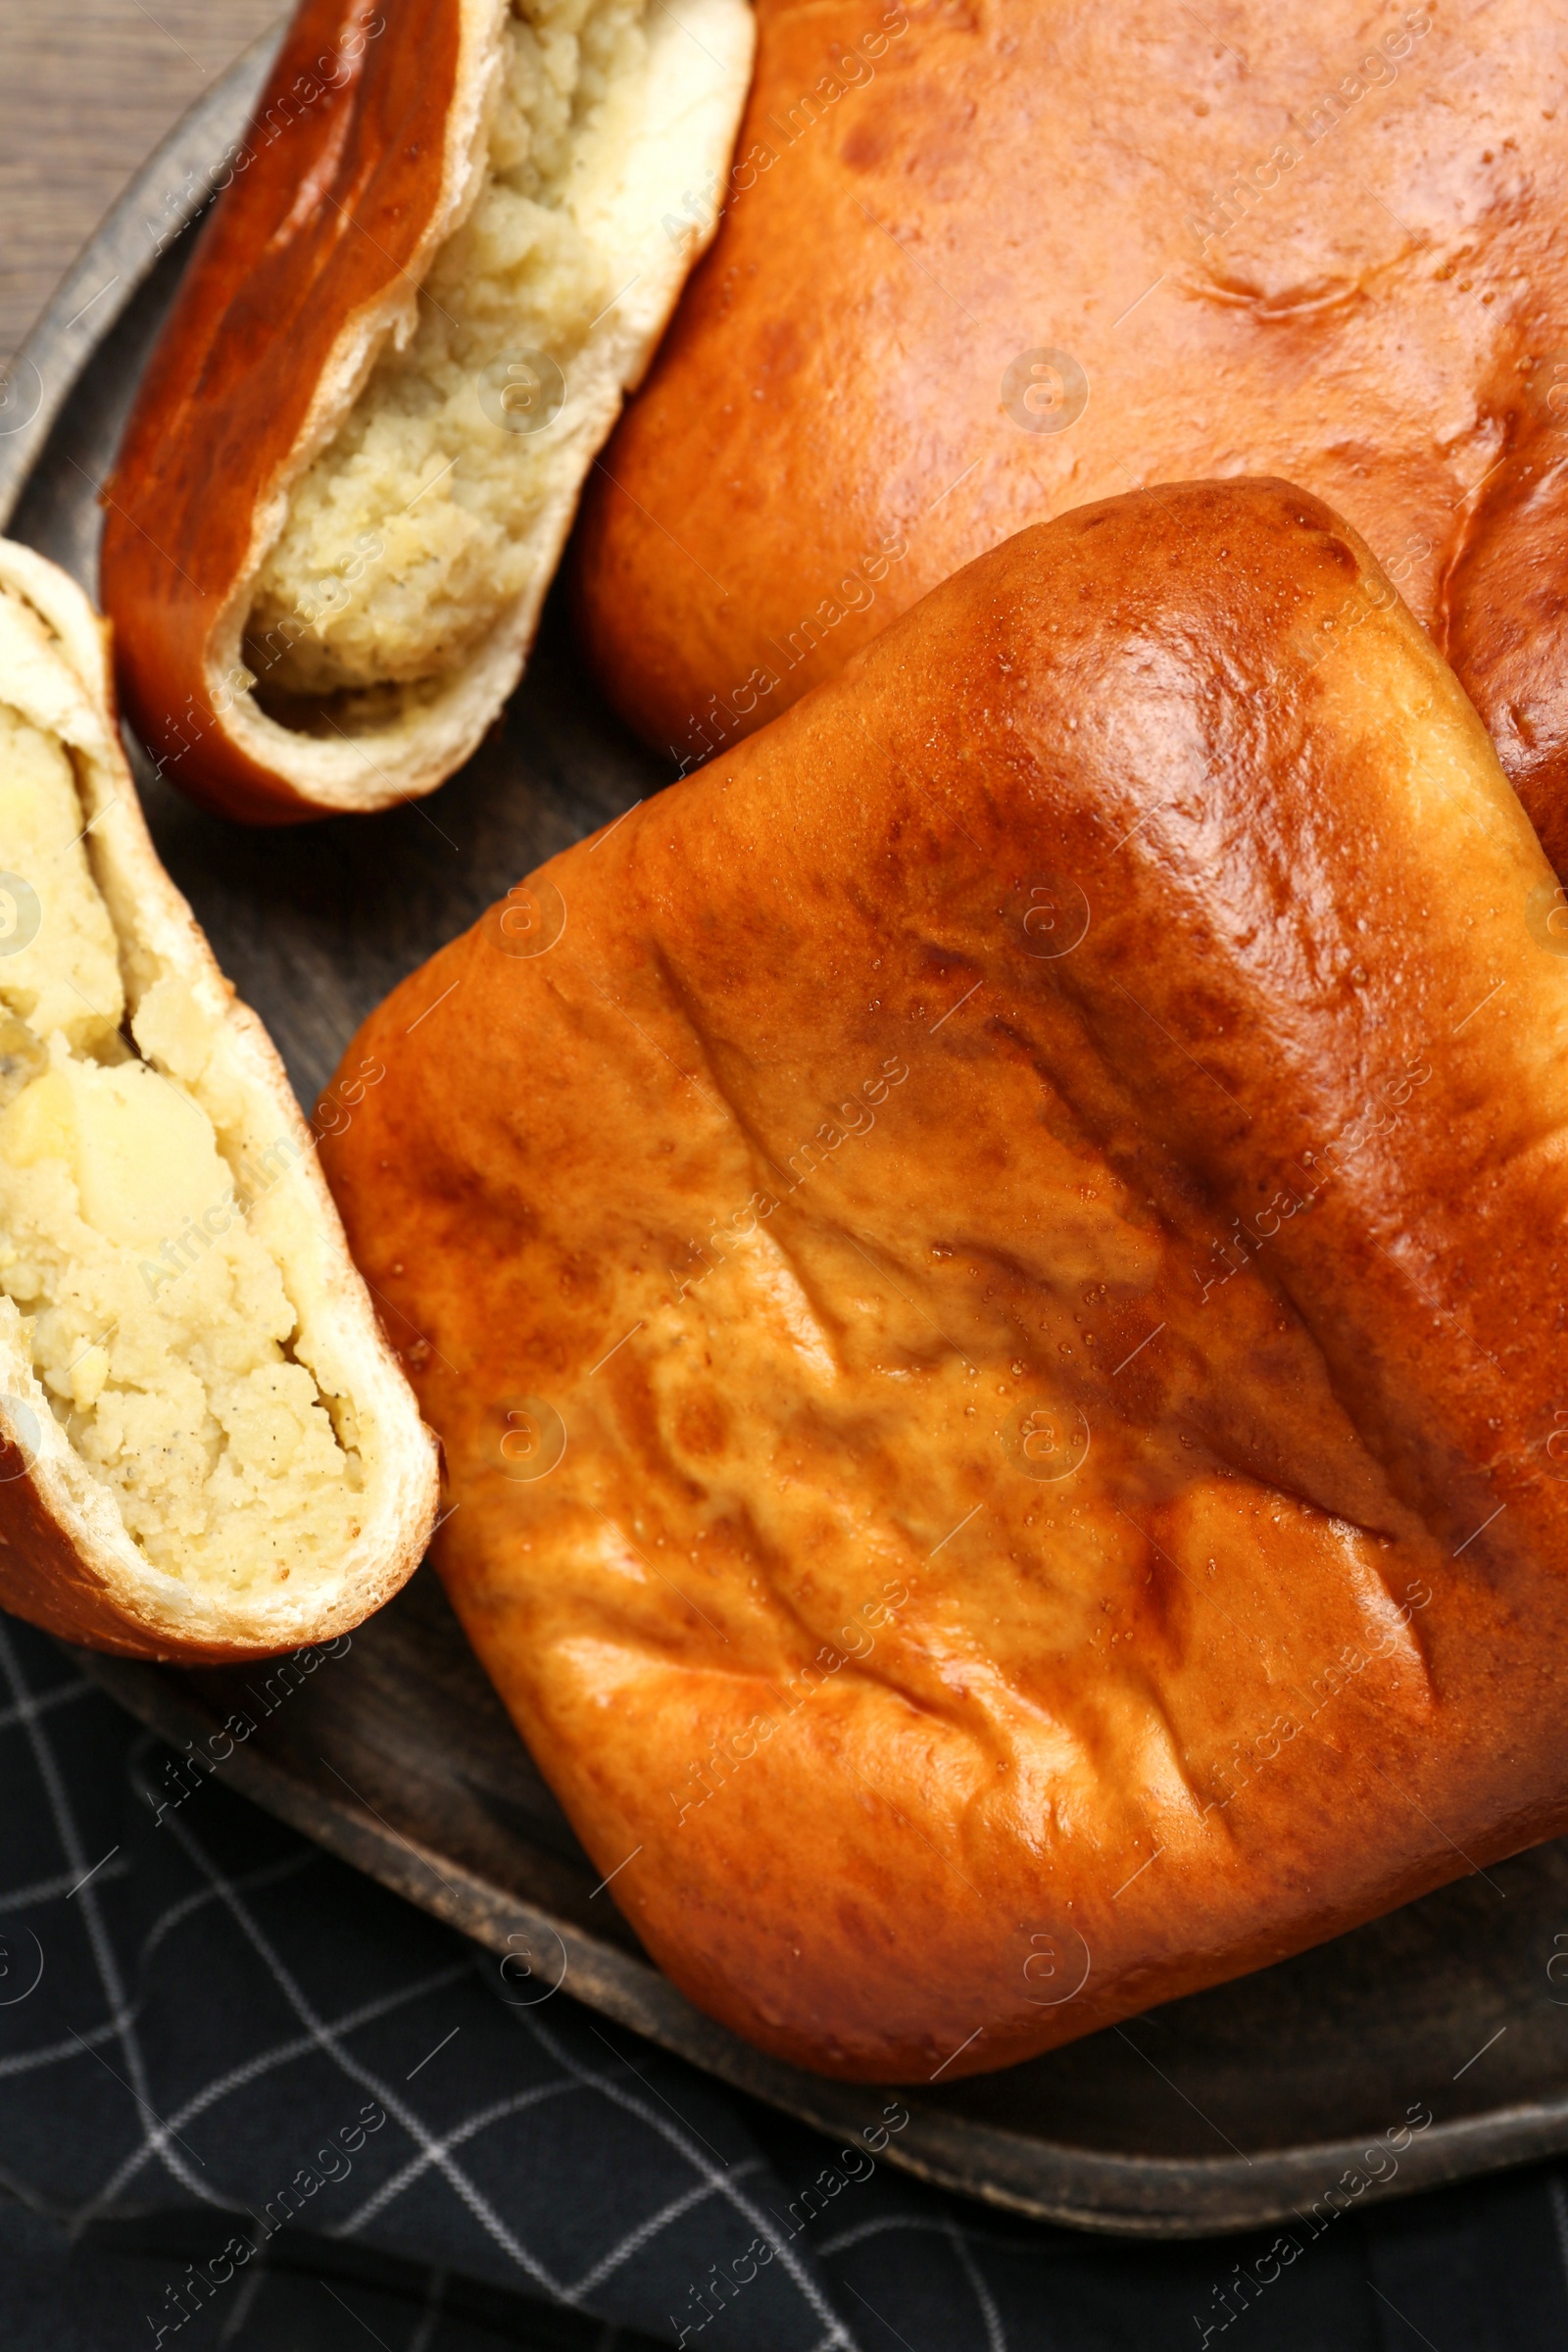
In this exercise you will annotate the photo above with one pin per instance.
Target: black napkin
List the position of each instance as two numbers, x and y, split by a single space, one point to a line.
249 2099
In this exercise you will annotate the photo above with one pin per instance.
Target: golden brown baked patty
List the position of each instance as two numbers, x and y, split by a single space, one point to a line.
990 1271
1315 243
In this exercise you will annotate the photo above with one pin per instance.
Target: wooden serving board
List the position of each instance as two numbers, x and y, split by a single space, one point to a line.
1230 2109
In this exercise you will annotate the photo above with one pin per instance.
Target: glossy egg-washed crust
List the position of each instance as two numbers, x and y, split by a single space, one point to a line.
362 150
65 1561
1124 1012
1323 246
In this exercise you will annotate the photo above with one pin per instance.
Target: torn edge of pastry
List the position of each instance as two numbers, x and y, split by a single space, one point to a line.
398 560
209 1450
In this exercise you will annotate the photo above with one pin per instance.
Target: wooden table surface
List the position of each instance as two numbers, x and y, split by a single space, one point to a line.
87 87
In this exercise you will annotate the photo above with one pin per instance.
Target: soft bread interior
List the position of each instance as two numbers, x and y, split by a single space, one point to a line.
417 525
156 1320
399 562
210 1412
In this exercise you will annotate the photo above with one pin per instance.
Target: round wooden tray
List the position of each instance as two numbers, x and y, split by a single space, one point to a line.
1235 2108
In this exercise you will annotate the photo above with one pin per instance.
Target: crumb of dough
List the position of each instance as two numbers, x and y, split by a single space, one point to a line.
157 1323
412 531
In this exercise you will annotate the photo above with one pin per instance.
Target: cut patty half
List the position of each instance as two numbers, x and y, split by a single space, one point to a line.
444 251
209 1451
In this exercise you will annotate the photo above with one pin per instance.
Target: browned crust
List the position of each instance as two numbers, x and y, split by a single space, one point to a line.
44 1576
1206 709
1504 618
314 237
1337 258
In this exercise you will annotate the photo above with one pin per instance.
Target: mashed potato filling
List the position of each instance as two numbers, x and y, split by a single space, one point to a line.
409 535
156 1323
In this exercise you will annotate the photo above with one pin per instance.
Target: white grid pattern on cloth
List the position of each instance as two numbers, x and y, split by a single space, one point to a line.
429 2318
377 2203
252 2069
90 1893
27 2062
963 2245
22 2062
41 1702
434 2149
837 2334
996 2334
26 2195
397 2109
44 1890
81 1764
250 2286
646 2232
103 1952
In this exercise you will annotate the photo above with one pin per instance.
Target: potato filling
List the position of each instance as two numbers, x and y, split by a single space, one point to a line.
157 1322
412 531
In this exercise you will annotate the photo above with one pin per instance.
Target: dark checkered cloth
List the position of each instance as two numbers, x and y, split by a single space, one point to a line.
249 2099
